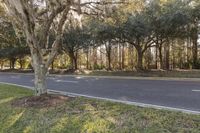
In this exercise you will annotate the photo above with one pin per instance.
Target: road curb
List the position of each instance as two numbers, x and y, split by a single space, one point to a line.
114 100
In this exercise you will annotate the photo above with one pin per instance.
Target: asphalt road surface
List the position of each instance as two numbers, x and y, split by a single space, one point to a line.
169 93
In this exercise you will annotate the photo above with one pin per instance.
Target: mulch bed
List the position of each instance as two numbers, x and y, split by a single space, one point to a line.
47 100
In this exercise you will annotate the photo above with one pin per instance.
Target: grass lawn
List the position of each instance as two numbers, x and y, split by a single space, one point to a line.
82 115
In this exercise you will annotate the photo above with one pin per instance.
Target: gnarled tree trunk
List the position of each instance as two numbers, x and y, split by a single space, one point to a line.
73 60
139 59
40 72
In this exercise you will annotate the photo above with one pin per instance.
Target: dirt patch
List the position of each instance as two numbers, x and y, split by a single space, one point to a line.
47 100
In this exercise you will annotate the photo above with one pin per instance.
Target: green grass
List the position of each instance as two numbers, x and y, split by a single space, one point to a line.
155 73
83 115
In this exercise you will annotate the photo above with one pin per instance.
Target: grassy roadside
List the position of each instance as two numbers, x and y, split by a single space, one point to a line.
149 73
157 73
83 115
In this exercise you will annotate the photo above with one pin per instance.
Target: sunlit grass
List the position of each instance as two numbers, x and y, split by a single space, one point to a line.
6 100
13 118
27 129
83 115
60 125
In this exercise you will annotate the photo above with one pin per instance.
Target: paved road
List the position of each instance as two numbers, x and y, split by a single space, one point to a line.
176 94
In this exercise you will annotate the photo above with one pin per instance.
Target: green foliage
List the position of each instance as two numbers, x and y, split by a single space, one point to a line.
12 46
136 28
76 38
14 52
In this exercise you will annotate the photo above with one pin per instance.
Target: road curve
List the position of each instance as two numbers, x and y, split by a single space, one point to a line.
169 93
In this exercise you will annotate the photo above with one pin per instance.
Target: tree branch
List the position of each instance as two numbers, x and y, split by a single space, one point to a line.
57 41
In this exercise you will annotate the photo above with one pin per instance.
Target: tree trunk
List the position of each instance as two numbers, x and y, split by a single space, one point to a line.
160 56
75 62
12 63
194 52
123 57
148 58
156 57
52 65
194 39
188 53
130 57
101 57
94 54
119 56
108 53
21 63
139 59
71 60
87 60
40 71
40 79
2 64
109 60
167 57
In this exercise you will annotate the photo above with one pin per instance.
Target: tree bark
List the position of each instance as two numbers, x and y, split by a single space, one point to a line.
108 53
109 60
87 59
40 72
12 63
94 59
123 58
2 64
52 65
139 59
160 56
131 57
194 39
73 61
156 57
21 62
119 56
195 51
167 57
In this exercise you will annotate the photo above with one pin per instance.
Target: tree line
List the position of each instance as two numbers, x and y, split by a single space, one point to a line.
158 36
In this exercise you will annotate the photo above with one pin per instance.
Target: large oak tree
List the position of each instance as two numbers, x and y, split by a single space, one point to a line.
36 18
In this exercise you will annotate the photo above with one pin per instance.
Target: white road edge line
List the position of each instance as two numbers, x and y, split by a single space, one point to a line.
66 81
196 90
113 100
24 86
